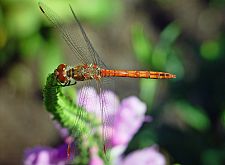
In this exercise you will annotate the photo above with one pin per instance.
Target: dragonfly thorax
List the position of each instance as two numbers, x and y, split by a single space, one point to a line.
91 71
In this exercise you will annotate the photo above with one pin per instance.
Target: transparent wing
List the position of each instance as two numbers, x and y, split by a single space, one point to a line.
77 41
97 98
95 57
108 107
86 54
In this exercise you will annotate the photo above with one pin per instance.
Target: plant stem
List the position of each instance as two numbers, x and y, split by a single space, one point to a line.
78 121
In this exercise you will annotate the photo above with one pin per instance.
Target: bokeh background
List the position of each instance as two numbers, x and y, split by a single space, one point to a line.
184 37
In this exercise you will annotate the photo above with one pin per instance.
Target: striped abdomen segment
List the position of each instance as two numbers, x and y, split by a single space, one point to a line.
136 74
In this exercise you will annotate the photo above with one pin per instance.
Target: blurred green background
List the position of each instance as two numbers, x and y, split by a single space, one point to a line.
184 37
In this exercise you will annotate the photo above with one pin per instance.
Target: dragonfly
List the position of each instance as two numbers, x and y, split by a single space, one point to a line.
91 70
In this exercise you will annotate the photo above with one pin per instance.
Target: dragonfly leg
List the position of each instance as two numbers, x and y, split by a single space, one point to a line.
63 84
59 83
73 83
68 83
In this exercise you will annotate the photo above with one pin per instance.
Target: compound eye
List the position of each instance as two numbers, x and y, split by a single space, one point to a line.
60 73
61 67
62 78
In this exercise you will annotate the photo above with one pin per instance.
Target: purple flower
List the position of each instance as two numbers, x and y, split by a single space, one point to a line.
127 116
46 156
92 102
128 120
95 159
122 121
146 156
63 132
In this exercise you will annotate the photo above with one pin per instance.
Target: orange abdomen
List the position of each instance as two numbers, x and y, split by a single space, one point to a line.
136 74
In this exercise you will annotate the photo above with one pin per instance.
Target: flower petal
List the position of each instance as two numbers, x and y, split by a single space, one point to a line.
128 120
90 100
95 159
46 155
147 156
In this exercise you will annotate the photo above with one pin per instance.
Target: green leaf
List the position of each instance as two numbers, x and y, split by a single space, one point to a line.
210 50
193 116
170 34
174 65
141 44
98 11
222 120
147 90
29 47
22 20
213 156
163 49
50 58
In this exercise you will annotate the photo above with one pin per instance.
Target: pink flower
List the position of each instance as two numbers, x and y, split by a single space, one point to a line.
95 159
91 101
46 155
128 120
128 117
146 156
122 121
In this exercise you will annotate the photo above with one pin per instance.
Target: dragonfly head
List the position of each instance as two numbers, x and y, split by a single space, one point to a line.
60 73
